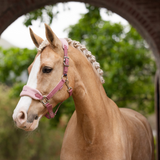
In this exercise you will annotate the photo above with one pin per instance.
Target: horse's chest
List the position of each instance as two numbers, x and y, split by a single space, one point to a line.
102 151
96 154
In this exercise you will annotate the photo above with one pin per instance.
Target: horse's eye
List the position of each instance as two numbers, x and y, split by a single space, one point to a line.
46 69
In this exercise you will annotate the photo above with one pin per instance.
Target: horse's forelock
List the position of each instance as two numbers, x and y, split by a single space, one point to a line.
43 45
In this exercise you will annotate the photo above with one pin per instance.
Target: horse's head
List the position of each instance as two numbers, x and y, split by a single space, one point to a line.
46 71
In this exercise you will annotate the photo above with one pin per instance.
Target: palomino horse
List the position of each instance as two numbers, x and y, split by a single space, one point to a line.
98 129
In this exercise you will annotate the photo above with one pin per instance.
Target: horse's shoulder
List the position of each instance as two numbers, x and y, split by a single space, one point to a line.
133 115
136 121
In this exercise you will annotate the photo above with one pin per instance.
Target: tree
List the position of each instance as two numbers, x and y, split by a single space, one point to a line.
128 65
41 14
14 61
129 71
44 14
124 56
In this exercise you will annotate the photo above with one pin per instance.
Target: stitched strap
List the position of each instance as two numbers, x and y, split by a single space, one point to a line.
70 92
64 42
56 89
35 94
66 61
50 113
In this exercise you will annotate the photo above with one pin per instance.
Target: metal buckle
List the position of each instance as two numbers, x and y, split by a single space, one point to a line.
66 57
68 90
65 61
44 100
65 64
63 76
67 84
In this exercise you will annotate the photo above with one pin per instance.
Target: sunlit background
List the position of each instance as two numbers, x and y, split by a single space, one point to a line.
69 14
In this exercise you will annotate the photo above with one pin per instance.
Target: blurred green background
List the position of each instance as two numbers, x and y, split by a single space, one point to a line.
129 70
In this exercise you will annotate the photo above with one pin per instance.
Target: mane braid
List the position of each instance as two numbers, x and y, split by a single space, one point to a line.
83 50
89 56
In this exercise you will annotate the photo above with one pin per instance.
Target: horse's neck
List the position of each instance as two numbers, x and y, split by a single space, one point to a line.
92 105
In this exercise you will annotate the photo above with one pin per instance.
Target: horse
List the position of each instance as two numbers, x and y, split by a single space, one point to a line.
98 129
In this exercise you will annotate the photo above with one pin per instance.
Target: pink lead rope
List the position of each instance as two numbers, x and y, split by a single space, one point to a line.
35 94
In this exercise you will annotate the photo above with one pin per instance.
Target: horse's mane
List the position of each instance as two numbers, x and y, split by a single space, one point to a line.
88 55
83 50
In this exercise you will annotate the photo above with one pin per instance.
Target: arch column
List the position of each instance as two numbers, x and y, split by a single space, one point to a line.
157 107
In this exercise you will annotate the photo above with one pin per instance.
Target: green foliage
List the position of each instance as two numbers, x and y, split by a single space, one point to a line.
13 62
127 63
128 66
128 71
44 14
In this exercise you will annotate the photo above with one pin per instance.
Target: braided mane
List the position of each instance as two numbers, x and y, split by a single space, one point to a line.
88 55
83 50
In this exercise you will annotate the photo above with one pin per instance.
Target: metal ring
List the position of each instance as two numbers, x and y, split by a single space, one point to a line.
65 77
66 57
65 64
69 89
44 100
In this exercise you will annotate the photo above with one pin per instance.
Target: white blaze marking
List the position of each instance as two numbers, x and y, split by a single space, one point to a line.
25 101
32 80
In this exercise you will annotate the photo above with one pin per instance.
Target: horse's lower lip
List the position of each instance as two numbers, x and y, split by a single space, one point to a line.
27 129
30 127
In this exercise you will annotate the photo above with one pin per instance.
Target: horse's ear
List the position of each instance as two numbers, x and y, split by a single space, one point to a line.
52 38
36 39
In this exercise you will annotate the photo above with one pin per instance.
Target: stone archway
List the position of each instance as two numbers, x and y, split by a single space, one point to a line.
144 15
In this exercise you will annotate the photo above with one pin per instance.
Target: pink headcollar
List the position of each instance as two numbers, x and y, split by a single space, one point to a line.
35 94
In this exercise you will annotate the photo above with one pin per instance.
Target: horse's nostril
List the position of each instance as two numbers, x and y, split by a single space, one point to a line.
15 122
22 115
36 117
